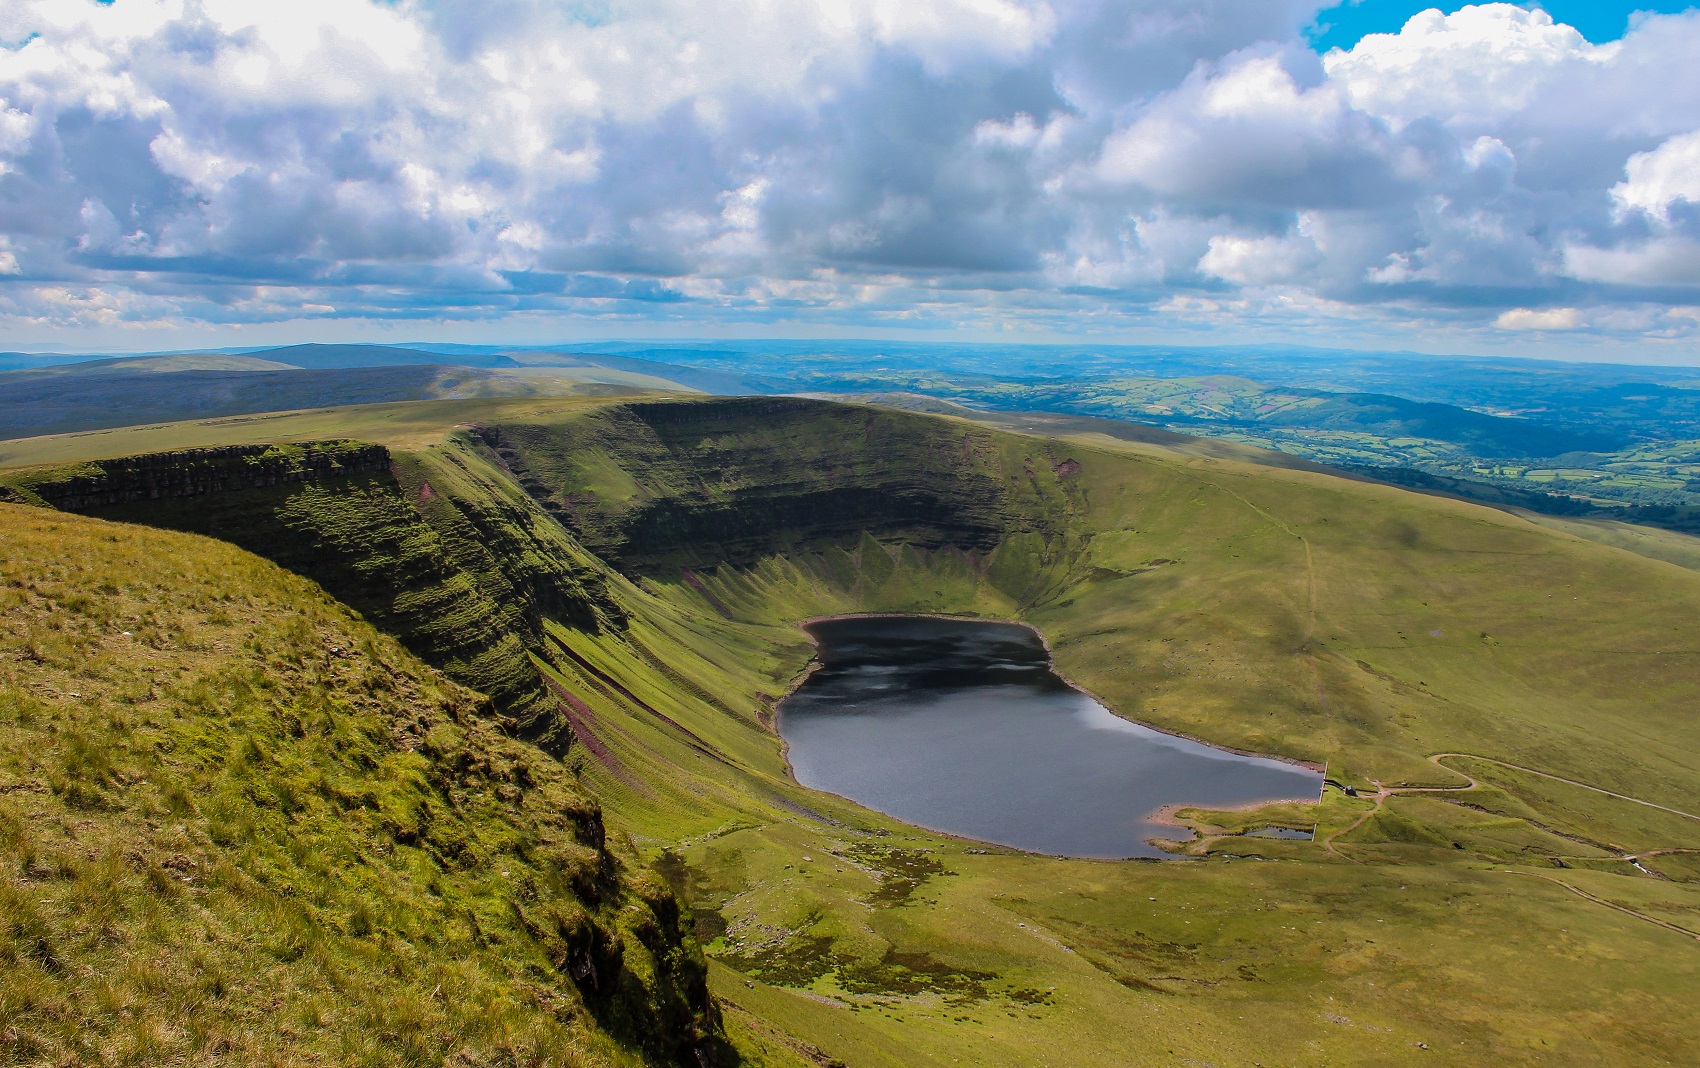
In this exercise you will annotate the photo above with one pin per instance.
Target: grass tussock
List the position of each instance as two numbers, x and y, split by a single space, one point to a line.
239 826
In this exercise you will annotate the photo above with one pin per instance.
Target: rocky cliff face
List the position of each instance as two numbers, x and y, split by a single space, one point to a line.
336 513
196 473
655 486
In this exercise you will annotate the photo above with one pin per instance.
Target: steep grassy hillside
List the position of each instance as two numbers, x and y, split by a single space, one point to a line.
240 826
1483 682
1282 611
650 486
336 513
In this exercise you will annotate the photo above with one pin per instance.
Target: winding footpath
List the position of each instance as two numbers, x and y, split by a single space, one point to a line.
1685 932
1384 792
1438 759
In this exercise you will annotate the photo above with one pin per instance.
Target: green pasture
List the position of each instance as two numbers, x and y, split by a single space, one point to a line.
400 425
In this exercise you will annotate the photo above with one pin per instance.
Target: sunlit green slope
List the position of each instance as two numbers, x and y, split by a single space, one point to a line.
239 826
1283 611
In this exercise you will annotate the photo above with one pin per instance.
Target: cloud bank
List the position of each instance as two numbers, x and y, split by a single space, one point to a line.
1061 166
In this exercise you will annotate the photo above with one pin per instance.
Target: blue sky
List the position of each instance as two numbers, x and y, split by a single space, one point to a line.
1598 20
1479 178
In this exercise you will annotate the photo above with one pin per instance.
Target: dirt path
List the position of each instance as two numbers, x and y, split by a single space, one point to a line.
1608 904
1384 792
1438 757
1381 796
1310 565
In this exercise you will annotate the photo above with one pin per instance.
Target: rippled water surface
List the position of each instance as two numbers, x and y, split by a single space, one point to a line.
962 726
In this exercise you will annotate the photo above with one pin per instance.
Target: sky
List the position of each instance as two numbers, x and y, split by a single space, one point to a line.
1342 25
1492 178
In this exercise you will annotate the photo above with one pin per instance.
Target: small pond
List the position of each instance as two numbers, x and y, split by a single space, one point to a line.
961 726
1291 834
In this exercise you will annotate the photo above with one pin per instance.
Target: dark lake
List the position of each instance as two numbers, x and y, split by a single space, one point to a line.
961 726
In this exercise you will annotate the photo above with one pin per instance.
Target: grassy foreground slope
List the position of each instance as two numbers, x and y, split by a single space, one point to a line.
1285 611
238 825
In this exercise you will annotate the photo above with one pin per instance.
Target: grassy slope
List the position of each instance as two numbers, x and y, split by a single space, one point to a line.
1653 542
1668 545
1221 642
400 425
239 826
1476 628
1279 610
358 532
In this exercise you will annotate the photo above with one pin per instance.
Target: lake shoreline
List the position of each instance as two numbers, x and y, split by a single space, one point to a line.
1050 654
1116 777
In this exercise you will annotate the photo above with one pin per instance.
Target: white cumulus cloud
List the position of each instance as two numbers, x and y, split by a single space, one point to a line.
1260 260
1657 179
1540 319
868 161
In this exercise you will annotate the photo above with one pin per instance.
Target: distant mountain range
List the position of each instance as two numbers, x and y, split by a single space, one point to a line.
97 394
1582 436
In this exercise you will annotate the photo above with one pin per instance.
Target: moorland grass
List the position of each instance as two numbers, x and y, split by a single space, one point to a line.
1276 610
238 825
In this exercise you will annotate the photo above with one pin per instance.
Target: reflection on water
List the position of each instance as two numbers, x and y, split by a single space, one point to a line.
1290 833
962 726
